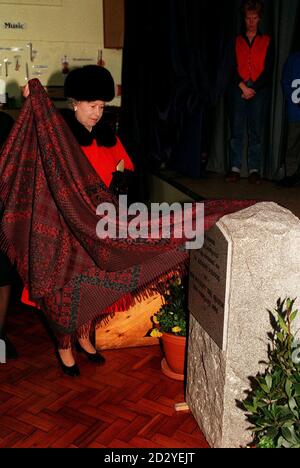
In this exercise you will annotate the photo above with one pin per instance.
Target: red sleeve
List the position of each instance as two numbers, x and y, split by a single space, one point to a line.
25 299
104 160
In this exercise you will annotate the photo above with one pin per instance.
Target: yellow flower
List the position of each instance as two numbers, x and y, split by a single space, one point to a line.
156 333
155 320
176 329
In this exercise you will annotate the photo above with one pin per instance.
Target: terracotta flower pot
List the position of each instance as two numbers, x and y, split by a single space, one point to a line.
174 351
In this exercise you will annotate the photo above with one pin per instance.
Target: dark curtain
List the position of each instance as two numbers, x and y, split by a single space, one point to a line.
176 66
174 71
201 32
146 77
146 80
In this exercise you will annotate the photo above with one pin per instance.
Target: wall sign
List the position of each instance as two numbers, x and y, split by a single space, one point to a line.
14 25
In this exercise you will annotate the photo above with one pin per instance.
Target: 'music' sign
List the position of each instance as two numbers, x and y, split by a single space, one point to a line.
12 25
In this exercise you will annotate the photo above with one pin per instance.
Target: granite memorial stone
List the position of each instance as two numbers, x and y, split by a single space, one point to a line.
250 259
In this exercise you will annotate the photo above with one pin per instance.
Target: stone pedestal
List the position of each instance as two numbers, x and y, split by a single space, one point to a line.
262 265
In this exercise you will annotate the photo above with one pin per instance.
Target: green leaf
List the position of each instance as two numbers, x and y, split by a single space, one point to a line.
269 381
288 388
280 442
266 442
282 324
272 433
280 337
290 435
287 434
284 444
265 387
294 315
293 407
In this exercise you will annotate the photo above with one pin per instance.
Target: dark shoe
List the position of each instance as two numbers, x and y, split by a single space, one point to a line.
233 177
254 178
290 181
11 352
71 371
96 358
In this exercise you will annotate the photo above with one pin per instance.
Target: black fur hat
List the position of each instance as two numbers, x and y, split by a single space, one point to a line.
90 83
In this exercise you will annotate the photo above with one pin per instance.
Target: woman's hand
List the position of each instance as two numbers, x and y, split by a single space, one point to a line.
25 90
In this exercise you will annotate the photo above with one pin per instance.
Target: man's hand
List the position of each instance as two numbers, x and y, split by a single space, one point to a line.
248 93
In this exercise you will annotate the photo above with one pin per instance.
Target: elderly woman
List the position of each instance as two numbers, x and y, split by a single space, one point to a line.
88 89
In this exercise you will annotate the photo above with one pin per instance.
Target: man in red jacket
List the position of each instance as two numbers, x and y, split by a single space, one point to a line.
249 92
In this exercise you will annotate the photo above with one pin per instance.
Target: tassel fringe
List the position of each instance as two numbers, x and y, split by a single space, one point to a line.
157 285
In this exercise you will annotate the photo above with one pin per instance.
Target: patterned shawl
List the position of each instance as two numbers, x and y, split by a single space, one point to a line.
48 197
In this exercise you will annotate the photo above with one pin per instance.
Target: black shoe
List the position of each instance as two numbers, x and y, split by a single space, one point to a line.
96 358
11 352
71 371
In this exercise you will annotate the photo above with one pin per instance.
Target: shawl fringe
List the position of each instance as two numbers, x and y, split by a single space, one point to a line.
157 285
127 301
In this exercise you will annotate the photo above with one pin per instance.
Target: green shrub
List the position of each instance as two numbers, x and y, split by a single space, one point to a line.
273 404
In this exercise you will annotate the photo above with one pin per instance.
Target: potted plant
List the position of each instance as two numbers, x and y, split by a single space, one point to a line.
273 404
170 325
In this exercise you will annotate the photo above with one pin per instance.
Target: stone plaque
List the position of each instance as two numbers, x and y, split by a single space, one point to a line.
208 285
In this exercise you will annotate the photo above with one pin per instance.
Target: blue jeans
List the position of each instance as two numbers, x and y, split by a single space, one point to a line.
246 115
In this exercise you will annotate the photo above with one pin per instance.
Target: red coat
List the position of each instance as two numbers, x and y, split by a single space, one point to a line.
104 160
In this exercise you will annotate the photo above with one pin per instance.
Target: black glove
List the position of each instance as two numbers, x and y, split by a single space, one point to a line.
122 182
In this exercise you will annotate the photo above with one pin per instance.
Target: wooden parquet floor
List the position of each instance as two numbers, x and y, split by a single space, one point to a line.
128 403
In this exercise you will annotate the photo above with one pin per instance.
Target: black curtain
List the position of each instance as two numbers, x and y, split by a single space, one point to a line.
175 67
177 61
146 75
146 81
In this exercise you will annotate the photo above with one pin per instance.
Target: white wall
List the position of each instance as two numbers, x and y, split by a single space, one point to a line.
55 28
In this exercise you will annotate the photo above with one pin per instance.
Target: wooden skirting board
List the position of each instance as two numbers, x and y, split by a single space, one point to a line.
128 329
